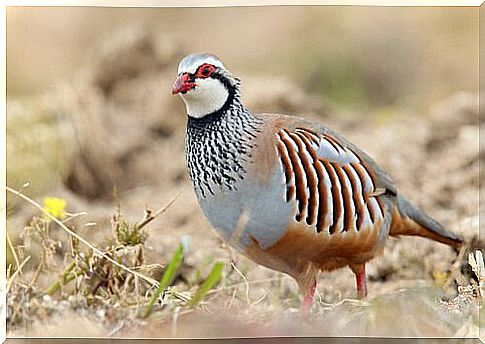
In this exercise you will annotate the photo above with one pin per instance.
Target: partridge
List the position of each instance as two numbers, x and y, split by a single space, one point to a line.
290 194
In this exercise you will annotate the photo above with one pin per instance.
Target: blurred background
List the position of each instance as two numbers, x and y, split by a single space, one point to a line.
353 55
90 120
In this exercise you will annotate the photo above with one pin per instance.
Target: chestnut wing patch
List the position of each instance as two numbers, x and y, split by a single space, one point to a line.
334 189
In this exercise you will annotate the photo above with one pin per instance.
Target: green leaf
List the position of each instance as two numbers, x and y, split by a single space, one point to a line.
209 282
167 279
67 276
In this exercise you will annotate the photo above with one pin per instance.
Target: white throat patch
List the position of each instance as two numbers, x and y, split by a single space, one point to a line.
207 97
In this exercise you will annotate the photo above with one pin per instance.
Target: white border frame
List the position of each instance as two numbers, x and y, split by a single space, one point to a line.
3 175
150 3
243 3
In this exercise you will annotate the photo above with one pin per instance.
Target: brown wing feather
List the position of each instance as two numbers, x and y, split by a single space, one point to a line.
306 157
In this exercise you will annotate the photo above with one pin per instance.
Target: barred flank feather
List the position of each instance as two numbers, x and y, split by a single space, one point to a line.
331 185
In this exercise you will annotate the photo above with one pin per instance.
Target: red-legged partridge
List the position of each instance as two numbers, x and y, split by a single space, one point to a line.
290 194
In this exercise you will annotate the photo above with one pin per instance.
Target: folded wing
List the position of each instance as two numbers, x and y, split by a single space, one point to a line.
334 187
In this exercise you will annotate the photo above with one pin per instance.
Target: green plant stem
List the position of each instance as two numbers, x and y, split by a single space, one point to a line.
209 282
66 277
167 279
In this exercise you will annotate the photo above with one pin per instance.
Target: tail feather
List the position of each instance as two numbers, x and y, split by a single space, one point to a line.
409 220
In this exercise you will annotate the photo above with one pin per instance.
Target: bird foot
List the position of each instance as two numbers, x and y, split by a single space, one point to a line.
361 281
308 300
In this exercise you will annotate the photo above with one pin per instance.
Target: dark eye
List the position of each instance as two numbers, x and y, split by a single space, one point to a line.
205 71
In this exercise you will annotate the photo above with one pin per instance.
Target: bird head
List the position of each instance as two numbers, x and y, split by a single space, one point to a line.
204 84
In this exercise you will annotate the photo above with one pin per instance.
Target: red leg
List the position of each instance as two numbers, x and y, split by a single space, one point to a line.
308 300
361 279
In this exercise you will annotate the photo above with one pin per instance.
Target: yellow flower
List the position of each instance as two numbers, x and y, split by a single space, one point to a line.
440 278
55 206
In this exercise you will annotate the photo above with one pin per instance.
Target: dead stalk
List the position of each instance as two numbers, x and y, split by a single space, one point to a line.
80 238
11 279
14 253
150 217
245 282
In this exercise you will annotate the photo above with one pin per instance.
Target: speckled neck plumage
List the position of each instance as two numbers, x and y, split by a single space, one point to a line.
218 146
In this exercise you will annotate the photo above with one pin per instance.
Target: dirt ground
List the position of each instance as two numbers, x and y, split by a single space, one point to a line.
117 125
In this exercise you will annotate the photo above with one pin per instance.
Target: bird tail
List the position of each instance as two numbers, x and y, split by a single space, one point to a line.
408 219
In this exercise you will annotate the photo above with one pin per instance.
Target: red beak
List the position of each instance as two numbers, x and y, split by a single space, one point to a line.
182 84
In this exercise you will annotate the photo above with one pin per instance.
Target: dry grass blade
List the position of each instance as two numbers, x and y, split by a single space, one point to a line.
245 281
149 218
81 239
12 278
455 270
477 264
71 216
14 253
478 267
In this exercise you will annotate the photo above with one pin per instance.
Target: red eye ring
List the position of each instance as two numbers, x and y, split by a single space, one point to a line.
205 71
